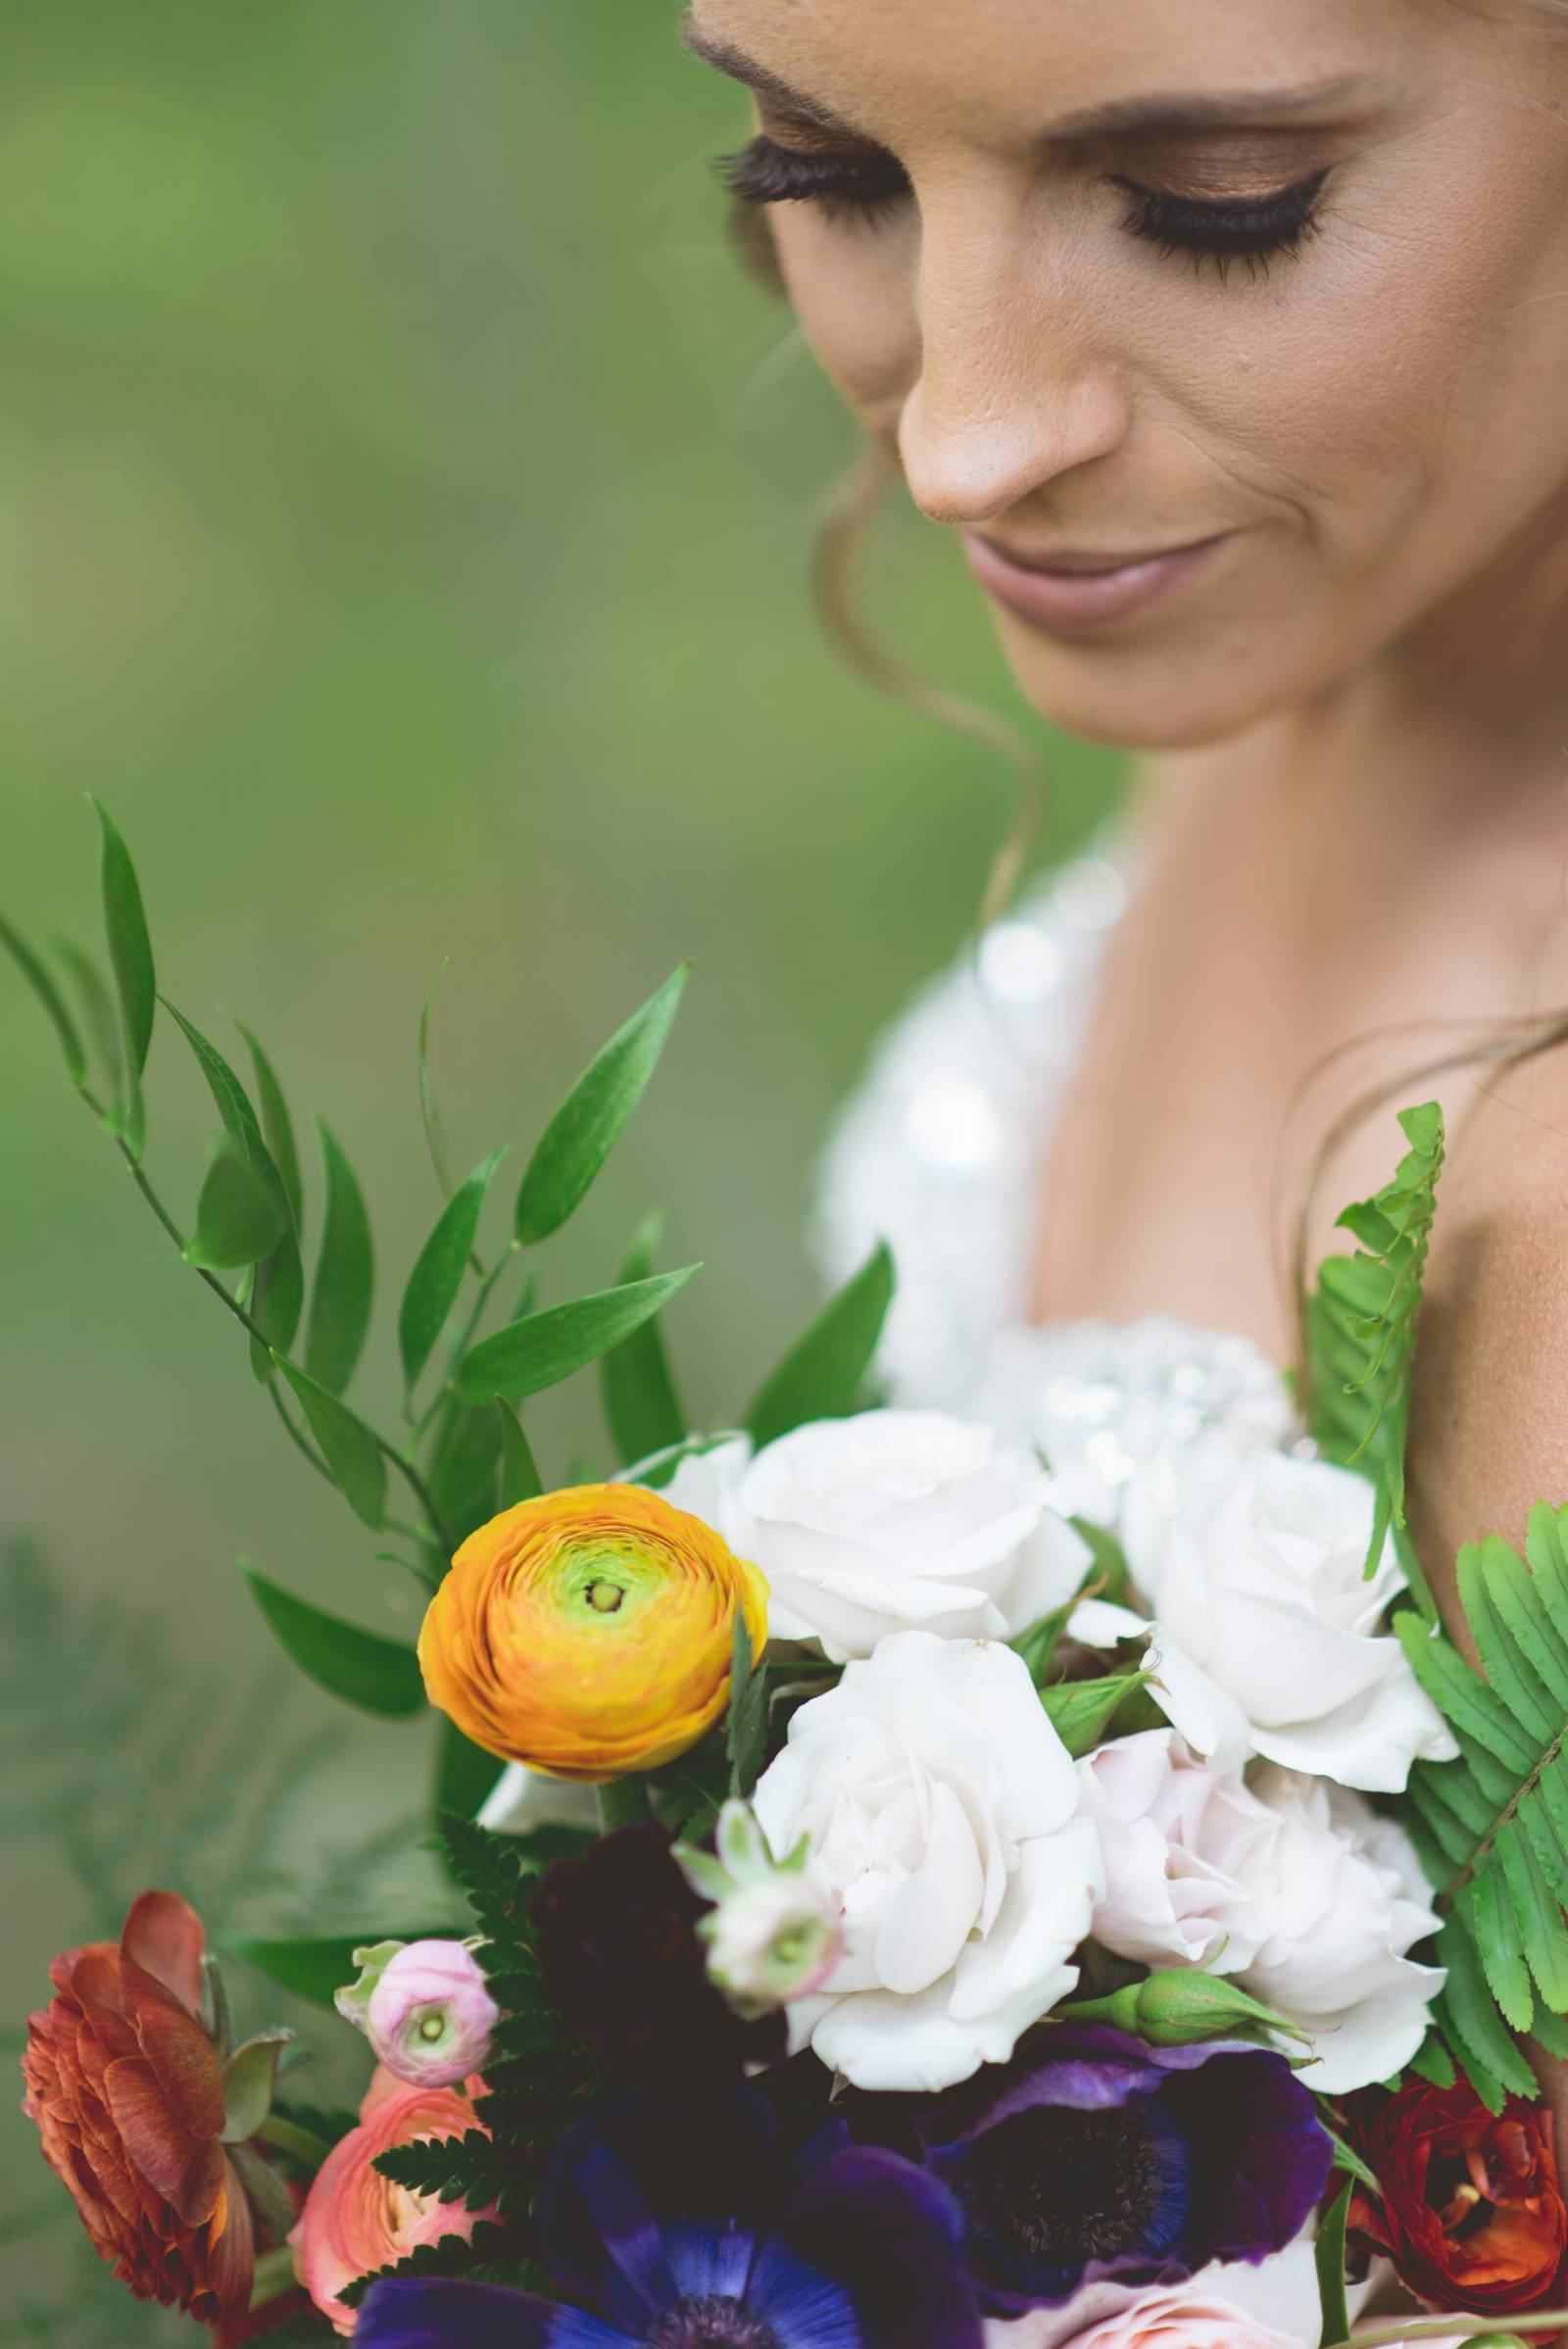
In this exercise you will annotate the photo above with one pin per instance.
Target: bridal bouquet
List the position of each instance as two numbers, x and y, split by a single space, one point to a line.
885 1909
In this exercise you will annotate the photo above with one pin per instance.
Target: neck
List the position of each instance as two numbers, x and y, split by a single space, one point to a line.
1459 727
1447 753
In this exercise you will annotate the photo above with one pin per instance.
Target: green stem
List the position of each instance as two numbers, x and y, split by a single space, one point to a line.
623 1802
297 1436
1527 1786
405 1467
275 2276
416 1485
289 2138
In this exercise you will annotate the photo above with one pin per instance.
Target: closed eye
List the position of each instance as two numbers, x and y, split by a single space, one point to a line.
867 183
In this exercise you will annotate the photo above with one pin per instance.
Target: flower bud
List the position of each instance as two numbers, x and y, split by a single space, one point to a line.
773 1933
424 2008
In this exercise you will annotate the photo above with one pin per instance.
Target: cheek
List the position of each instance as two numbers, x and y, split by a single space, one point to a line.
854 290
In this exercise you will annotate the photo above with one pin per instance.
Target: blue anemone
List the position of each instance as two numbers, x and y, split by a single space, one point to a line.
711 2235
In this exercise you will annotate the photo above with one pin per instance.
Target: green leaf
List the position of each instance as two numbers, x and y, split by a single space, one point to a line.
277 1127
585 1129
315 1966
437 1274
1461 1695
430 1115
238 1217
544 1348
1538 1913
1329 2251
465 1474
641 1408
1494 1932
1181 2005
1081 1711
249 2079
280 1278
349 1449
99 1009
278 1304
1508 1670
345 1275
1039 1644
746 1730
1469 2014
380 1676
1347 2159
49 996
465 1774
1432 2062
519 1474
131 958
1361 1322
823 1374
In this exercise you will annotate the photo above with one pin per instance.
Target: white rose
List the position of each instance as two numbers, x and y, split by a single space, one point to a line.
903 1520
1251 1563
1333 1899
940 1809
1176 1836
1295 1888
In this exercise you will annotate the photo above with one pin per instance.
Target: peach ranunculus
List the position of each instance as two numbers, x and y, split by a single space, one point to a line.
590 1633
356 2221
126 2088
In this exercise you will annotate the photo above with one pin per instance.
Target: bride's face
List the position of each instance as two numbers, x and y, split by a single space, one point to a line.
1276 290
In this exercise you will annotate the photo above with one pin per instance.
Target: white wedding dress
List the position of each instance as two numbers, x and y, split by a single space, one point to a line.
942 1152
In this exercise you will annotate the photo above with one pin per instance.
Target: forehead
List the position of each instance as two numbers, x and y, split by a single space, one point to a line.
987 68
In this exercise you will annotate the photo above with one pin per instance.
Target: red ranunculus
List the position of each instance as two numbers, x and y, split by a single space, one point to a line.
1471 2213
127 2092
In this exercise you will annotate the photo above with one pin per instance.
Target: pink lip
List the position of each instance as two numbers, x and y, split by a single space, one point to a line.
1086 591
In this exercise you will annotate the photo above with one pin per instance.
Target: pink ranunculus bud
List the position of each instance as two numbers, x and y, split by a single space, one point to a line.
424 2008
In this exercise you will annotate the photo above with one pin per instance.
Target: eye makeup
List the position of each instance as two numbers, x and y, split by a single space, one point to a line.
867 183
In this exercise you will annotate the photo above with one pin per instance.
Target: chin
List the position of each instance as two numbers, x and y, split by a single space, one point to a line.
1142 698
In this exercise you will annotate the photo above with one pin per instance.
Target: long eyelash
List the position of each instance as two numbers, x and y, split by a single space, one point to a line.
1223 233
764 173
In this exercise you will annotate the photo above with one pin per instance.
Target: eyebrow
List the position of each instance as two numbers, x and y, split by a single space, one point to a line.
1158 117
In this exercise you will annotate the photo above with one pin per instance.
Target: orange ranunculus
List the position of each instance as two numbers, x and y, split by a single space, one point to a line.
590 1633
356 2221
127 2092
1471 2212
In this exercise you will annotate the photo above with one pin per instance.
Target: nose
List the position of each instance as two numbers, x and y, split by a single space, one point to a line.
1017 384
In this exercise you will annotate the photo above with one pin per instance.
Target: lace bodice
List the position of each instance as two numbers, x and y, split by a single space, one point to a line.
942 1152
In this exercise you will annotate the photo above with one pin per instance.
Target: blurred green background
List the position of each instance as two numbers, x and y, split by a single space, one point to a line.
407 521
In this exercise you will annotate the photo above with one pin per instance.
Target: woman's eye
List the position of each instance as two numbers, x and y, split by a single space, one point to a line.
868 183
865 183
1221 233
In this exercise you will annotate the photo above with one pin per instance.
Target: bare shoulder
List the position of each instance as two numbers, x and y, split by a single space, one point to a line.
1489 1432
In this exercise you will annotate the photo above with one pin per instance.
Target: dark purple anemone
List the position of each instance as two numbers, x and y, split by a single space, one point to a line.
1099 2156
672 2236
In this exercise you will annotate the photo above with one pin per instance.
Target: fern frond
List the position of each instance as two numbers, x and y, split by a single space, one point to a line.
451 2255
1361 1328
1491 1826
